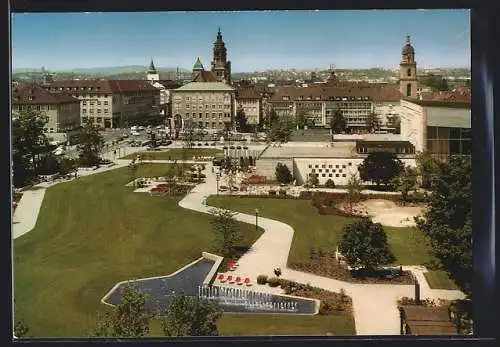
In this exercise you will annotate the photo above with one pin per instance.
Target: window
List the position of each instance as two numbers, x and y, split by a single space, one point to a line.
206 115
199 115
320 170
213 106
38 108
330 166
313 170
187 106
207 124
323 175
106 110
408 72
84 102
343 175
309 166
317 175
187 98
213 124
350 164
336 175
220 115
187 115
194 114
98 102
343 166
323 166
91 111
330 175
337 166
99 110
408 89
316 166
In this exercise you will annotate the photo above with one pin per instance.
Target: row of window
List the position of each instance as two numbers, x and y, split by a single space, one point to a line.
327 170
200 98
94 102
213 124
32 107
206 106
200 115
338 98
323 166
325 175
91 111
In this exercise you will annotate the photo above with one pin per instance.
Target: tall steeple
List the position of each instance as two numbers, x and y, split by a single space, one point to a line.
220 65
408 70
152 74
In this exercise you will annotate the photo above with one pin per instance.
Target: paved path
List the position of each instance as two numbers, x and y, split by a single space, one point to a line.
375 306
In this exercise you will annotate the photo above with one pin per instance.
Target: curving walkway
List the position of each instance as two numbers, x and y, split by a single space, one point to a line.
375 307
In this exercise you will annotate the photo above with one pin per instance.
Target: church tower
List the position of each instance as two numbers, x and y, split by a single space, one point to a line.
152 75
220 66
408 71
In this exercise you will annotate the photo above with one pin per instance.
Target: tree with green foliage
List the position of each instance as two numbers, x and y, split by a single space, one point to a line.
372 122
280 132
380 167
128 319
301 118
435 82
133 166
29 142
447 221
338 123
226 230
191 316
330 183
188 137
283 174
313 180
90 145
364 245
67 166
20 329
271 117
354 188
427 167
48 164
405 181
241 121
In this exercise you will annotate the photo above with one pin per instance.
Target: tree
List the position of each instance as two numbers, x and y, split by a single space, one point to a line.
133 167
405 181
354 188
191 316
338 123
90 145
427 167
128 319
448 220
380 167
283 174
372 122
436 82
280 132
329 183
189 134
301 118
271 118
67 166
28 143
226 230
20 329
241 121
48 164
364 244
313 180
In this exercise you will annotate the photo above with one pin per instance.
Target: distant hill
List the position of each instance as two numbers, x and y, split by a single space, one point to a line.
101 71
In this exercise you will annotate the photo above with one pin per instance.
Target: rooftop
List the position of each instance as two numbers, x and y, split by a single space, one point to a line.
247 93
320 150
33 94
206 86
100 86
428 320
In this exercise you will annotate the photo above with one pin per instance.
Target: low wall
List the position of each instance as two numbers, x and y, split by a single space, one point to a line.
209 280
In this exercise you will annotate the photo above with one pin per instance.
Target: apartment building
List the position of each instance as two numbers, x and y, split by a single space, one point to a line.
210 105
250 101
61 109
113 103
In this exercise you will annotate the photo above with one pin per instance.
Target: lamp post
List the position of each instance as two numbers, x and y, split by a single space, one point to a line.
256 219
217 178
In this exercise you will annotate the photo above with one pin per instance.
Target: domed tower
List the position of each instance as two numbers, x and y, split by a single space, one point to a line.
152 74
408 71
220 66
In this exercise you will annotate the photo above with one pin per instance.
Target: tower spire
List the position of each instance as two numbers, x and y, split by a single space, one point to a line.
408 38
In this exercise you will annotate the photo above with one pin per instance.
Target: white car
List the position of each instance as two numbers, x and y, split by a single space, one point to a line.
135 133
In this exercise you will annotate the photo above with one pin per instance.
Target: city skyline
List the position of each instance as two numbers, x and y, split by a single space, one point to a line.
303 39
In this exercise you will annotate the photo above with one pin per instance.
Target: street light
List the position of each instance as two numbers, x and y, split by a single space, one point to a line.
217 178
256 219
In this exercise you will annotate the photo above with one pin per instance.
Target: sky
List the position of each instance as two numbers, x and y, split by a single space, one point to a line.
255 40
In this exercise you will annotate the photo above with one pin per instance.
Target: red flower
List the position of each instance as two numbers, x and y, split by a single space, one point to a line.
238 279
229 278
221 276
247 280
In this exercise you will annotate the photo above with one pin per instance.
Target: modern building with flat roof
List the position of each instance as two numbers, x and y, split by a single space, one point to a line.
336 161
440 128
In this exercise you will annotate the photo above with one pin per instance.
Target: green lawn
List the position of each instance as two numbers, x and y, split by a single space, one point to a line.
176 153
269 324
315 230
92 233
439 279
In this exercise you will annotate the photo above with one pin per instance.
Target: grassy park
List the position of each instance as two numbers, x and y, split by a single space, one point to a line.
176 154
106 234
315 230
